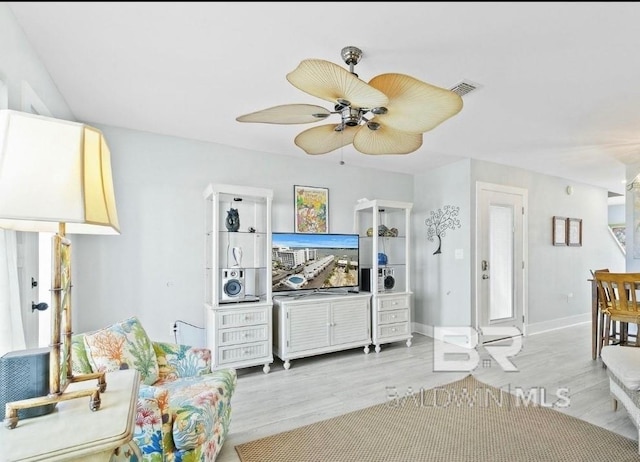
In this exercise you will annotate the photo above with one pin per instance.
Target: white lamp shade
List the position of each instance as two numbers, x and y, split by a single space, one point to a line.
54 171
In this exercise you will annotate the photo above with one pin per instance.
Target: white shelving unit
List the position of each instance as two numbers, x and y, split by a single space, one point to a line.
238 302
384 228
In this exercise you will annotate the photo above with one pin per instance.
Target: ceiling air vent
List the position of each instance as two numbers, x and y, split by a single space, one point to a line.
465 87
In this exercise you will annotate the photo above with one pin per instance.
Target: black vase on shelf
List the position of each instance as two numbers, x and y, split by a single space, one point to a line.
233 220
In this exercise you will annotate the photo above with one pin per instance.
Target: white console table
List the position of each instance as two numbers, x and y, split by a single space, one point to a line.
317 324
72 432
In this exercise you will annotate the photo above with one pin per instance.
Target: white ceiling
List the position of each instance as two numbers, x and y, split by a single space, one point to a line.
559 81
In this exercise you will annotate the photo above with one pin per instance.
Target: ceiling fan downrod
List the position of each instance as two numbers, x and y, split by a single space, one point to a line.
351 56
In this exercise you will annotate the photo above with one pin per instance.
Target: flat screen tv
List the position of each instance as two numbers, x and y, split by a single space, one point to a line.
314 262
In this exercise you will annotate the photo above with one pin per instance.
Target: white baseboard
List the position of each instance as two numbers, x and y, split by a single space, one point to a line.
423 329
529 329
554 324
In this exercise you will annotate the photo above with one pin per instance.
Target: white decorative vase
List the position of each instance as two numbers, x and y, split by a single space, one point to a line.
236 252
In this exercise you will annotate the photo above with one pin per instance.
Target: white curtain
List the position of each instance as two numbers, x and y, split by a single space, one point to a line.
11 329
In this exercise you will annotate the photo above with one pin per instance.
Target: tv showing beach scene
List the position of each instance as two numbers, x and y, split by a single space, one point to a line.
314 262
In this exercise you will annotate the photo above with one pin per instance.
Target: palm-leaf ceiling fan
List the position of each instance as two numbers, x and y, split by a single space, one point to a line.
386 116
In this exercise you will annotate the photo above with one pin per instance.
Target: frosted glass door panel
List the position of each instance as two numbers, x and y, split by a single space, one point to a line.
501 257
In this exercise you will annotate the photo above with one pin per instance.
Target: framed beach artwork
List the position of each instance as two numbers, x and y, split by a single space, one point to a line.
559 231
574 231
311 205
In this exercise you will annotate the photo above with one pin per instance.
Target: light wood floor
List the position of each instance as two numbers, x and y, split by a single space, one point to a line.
325 386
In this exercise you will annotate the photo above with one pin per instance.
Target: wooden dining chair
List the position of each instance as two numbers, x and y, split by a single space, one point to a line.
619 295
601 320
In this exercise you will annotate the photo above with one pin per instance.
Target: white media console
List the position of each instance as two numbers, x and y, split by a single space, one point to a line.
320 323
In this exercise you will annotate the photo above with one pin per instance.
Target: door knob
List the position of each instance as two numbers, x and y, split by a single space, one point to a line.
40 306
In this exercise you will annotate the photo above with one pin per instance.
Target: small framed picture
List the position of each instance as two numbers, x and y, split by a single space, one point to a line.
559 231
311 205
574 231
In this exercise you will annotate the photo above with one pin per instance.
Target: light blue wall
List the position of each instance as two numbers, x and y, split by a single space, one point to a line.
616 214
441 282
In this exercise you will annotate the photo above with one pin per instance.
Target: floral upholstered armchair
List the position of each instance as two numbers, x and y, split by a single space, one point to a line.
184 409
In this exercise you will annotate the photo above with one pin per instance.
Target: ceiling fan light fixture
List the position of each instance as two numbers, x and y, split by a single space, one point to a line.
351 117
342 103
403 108
379 110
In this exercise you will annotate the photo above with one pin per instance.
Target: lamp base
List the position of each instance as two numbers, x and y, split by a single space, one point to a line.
11 409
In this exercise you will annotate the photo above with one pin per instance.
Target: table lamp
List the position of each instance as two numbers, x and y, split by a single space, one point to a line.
55 176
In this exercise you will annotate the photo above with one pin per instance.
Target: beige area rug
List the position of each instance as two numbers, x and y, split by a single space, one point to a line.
465 420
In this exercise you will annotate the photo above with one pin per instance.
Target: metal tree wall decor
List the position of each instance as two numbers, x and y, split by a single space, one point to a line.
439 222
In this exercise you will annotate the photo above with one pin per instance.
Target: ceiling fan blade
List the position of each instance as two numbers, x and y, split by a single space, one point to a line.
415 106
287 114
386 140
331 82
324 139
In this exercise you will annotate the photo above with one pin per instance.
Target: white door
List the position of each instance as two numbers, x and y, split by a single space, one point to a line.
500 256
